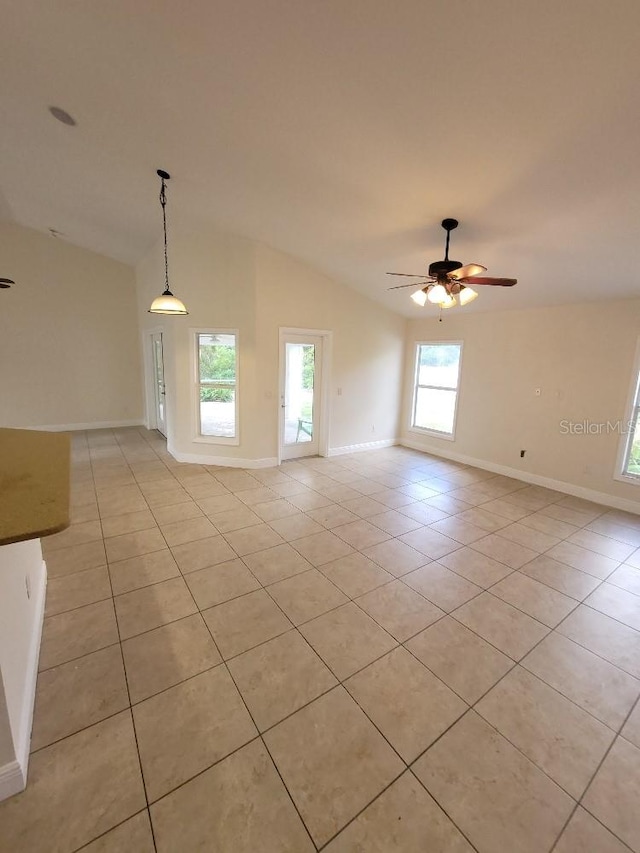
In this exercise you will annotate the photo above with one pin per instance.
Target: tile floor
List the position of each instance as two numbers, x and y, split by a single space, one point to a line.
379 652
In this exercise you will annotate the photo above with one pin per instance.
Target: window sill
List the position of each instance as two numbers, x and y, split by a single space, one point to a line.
630 479
428 433
216 439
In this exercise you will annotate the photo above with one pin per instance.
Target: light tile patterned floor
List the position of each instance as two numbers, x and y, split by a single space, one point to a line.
384 652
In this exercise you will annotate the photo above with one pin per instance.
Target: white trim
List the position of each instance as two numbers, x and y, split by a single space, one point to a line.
13 776
367 445
150 417
625 438
92 425
13 779
527 477
196 385
226 461
432 433
324 396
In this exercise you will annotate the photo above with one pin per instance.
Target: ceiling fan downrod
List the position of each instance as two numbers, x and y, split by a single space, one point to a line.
449 225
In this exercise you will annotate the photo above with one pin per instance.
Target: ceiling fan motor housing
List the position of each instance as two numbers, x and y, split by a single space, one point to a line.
443 268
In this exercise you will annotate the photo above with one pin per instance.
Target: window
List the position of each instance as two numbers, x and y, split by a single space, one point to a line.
631 458
216 377
435 393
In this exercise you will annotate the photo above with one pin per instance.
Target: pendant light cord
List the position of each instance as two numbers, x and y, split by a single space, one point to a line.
163 202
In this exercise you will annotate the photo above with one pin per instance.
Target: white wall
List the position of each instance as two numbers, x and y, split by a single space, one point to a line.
21 617
232 283
68 334
580 356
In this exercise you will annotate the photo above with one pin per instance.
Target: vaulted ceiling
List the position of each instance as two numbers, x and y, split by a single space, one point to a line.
340 131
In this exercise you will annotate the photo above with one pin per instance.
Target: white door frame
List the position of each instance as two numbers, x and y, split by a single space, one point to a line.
322 392
151 414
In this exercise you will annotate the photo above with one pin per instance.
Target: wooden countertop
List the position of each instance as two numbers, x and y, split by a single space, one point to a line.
34 484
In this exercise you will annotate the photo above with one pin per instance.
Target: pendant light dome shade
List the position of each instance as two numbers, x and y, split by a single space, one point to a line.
166 303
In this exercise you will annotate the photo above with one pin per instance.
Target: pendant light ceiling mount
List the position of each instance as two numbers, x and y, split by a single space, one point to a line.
166 303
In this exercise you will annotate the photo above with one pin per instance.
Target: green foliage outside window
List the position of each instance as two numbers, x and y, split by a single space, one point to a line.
217 364
308 365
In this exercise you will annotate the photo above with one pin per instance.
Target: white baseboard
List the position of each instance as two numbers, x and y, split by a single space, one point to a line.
535 479
13 779
367 445
225 461
13 776
91 425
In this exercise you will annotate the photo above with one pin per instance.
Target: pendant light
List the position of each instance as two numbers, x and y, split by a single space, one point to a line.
166 303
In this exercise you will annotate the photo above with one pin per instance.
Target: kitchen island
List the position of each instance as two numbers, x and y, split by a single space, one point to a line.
34 502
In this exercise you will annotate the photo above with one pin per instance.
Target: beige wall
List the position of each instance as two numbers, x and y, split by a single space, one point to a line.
232 283
580 356
367 347
68 335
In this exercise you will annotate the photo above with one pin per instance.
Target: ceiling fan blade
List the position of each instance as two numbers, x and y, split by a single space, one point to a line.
499 282
409 275
466 271
415 284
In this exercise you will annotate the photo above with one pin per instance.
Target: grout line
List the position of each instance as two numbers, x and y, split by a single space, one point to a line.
391 470
126 681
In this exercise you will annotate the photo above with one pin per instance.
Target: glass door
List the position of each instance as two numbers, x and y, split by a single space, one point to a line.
158 382
301 362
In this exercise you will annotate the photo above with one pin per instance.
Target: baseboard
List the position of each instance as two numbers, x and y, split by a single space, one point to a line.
13 779
534 479
367 445
91 425
223 461
13 776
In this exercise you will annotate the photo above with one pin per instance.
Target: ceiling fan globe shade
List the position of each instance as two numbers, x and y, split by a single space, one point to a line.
467 295
437 294
420 296
449 302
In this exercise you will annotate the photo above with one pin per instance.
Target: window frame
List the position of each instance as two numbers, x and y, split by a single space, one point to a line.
197 384
416 386
632 415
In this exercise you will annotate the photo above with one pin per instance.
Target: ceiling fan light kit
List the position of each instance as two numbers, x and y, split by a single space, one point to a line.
446 284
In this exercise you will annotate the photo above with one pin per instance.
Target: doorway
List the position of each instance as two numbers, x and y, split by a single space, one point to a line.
159 394
303 377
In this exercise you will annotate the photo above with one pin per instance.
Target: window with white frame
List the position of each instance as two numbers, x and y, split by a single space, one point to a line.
435 392
216 384
631 458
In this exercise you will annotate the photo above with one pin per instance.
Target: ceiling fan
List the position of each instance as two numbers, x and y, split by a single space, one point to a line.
447 282
6 282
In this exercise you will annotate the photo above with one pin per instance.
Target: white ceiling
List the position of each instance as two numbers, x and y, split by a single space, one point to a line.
340 131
